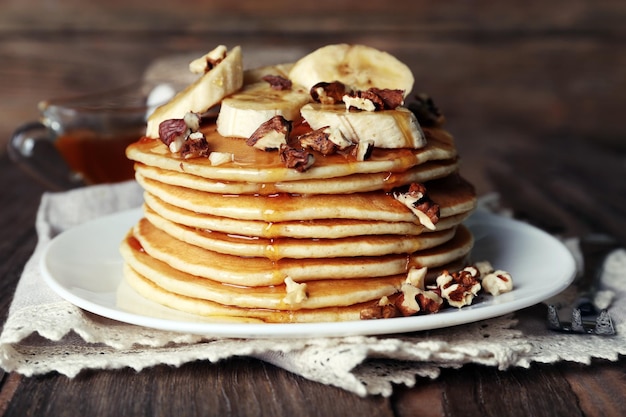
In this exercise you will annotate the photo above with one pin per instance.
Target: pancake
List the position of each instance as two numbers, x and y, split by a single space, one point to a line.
321 228
217 312
355 183
252 165
287 207
260 271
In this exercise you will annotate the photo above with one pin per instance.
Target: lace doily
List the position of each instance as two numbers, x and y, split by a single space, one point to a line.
44 333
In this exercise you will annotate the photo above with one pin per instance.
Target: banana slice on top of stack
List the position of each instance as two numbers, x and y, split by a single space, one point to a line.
316 194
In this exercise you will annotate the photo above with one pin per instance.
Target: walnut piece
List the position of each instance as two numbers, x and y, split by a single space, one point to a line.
182 136
497 282
455 289
325 140
271 134
329 93
458 288
382 309
277 82
418 201
417 277
298 159
426 111
195 146
374 99
173 132
295 292
354 102
220 158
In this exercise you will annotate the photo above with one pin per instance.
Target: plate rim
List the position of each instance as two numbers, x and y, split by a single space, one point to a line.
448 318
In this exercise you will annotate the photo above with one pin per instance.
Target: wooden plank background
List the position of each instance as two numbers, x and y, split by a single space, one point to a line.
512 71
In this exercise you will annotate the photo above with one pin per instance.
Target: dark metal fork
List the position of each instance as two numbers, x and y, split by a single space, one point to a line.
586 317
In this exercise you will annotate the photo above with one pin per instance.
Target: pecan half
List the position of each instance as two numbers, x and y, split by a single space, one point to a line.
277 82
298 159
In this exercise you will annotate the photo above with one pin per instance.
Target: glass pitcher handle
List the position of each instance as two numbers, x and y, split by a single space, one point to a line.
32 148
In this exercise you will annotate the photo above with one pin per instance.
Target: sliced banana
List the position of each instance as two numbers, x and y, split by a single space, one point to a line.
224 79
255 75
243 112
396 128
358 66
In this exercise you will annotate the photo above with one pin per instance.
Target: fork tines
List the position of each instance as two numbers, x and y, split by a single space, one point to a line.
602 325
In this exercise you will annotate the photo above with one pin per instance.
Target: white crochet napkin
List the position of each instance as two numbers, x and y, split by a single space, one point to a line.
44 333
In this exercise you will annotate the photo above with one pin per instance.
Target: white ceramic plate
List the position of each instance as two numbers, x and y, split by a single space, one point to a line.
84 267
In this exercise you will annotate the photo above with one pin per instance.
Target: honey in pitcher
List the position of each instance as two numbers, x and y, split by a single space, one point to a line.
98 159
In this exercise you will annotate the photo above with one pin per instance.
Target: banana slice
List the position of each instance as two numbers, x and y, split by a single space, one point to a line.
358 66
243 112
255 75
396 128
224 79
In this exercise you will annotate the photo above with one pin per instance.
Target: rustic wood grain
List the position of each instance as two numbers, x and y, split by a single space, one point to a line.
236 387
529 92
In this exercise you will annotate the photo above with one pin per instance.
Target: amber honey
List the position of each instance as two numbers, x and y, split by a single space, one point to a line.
98 159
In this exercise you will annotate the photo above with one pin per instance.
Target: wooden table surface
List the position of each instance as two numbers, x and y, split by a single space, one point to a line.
535 96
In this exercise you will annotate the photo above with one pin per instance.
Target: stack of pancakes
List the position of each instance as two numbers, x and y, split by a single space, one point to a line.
251 239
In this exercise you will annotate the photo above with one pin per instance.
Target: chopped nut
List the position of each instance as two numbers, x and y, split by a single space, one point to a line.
192 120
384 301
418 201
277 82
174 133
271 134
497 282
359 103
417 277
390 99
458 288
484 267
374 99
208 61
319 141
299 159
429 301
195 146
325 140
296 293
472 270
407 303
425 111
415 300
329 93
220 158
380 310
